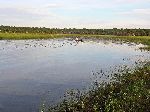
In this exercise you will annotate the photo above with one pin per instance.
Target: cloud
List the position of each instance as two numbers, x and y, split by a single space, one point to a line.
26 17
127 0
53 5
76 13
137 11
131 23
141 11
135 18
130 1
137 14
16 13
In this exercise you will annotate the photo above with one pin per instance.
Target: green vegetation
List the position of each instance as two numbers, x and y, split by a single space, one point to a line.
84 31
137 39
140 39
18 36
129 91
131 35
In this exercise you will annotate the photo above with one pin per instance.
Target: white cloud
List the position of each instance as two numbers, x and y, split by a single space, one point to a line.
137 15
60 13
53 5
135 18
130 1
137 12
115 24
142 11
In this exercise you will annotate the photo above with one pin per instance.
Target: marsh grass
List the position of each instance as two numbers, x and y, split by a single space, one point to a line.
141 39
129 91
147 48
18 36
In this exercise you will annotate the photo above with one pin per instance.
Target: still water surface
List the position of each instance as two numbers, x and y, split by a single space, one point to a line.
32 71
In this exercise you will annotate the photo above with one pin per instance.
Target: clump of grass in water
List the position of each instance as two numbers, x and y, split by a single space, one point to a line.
147 48
128 91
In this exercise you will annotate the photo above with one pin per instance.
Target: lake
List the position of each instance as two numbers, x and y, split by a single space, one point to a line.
34 71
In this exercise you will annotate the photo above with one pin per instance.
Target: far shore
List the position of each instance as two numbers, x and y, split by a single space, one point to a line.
20 36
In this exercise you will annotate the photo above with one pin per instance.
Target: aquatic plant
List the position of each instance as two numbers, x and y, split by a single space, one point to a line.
129 91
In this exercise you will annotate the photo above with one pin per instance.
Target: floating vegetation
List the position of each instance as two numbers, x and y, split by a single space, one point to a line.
129 90
147 48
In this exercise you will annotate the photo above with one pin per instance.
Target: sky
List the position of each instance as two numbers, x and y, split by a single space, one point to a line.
76 13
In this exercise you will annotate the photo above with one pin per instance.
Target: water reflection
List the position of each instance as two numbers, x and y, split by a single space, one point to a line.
35 70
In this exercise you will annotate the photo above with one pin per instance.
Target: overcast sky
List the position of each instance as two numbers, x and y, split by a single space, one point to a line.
76 13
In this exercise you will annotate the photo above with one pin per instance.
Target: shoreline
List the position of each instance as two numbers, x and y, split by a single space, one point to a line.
145 40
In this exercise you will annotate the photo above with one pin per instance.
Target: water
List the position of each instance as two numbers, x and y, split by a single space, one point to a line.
32 71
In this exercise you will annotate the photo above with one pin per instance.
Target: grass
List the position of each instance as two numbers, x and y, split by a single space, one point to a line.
129 92
19 36
140 39
137 39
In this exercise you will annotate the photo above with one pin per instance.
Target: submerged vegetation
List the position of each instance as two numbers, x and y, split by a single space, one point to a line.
129 91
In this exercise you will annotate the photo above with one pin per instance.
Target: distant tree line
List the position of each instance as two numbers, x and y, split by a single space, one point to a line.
43 30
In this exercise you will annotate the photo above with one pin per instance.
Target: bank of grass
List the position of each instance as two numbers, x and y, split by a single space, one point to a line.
20 36
17 36
139 39
129 92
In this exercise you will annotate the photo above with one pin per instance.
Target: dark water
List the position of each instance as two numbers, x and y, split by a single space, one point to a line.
32 71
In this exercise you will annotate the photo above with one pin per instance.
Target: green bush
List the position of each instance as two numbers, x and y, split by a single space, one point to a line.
129 92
